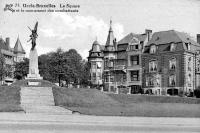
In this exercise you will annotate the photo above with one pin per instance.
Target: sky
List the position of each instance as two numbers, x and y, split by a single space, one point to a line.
80 29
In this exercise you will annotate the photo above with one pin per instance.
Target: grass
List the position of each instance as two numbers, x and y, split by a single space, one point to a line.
94 102
128 99
10 95
10 99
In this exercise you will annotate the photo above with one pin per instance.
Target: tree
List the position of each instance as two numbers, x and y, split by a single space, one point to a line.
2 67
21 69
56 63
85 73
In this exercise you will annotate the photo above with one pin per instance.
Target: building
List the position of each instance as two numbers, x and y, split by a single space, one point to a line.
165 62
169 63
121 70
96 62
129 51
11 57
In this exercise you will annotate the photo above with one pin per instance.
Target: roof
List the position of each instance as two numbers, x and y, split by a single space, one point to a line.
96 47
96 50
18 47
110 37
3 45
129 38
164 37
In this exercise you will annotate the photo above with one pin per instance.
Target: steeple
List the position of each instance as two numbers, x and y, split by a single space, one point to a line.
18 47
110 37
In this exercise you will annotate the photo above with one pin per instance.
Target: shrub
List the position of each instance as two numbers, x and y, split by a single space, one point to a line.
197 93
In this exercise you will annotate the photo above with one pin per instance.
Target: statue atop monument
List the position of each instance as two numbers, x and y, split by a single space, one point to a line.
33 36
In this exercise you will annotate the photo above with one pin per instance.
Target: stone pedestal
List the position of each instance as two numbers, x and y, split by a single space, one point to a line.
33 65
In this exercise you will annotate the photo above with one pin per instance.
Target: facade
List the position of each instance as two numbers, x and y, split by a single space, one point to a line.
160 63
96 62
121 70
169 63
11 56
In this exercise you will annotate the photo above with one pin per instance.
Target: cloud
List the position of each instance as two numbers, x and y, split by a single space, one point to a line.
77 32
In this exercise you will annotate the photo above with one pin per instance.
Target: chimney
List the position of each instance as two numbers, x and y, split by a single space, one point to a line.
8 42
148 32
198 38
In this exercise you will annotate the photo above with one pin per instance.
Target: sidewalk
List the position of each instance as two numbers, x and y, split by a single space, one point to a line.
97 120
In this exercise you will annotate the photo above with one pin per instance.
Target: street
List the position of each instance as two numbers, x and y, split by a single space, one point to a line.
40 123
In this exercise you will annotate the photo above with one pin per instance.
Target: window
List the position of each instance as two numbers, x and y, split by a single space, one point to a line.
189 64
98 65
189 80
94 76
106 62
149 81
153 49
106 78
134 75
152 66
134 47
135 60
172 64
111 79
172 80
157 83
187 46
173 47
111 64
124 77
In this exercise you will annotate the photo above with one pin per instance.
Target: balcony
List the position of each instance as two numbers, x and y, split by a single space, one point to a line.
119 68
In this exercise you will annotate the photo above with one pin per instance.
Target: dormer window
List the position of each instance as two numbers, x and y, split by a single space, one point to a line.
173 47
187 46
153 49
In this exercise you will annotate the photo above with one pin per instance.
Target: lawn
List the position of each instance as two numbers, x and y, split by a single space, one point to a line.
10 95
94 102
10 99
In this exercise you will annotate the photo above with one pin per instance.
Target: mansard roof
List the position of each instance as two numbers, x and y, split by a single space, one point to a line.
18 47
165 37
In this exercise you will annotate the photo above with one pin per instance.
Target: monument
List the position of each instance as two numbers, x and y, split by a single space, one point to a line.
33 56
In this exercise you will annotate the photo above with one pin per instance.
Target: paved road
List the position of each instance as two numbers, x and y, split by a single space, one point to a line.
40 123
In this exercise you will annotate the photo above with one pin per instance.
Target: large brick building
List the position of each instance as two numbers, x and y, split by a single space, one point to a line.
169 63
166 62
11 56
